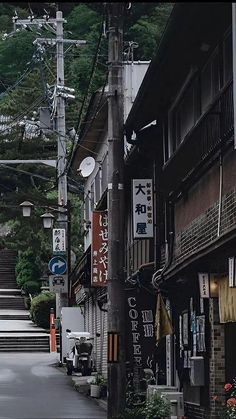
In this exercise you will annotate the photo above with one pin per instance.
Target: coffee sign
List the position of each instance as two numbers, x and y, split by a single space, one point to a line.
140 318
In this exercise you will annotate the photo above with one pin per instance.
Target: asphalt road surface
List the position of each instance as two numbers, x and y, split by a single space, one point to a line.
31 387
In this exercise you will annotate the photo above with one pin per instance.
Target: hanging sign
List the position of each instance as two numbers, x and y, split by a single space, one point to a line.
59 240
204 285
99 248
142 208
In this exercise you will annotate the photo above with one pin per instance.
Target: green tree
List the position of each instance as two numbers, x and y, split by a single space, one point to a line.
148 29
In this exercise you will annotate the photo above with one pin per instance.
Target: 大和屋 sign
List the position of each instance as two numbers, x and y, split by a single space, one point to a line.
142 208
99 248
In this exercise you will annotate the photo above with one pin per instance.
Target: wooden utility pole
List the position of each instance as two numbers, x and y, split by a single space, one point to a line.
116 312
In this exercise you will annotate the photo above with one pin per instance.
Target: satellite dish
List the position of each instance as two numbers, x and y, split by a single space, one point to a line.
87 166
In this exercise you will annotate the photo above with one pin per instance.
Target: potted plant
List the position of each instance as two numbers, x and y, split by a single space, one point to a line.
95 386
103 387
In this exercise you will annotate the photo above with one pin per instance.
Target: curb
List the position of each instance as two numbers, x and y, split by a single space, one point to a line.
80 384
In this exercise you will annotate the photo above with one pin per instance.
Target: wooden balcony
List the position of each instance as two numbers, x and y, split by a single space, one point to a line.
212 132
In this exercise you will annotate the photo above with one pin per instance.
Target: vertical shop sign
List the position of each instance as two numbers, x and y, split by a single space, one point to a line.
204 285
99 248
140 328
142 208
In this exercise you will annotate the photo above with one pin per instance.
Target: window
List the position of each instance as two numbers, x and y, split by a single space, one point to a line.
86 207
98 186
197 93
104 173
210 80
183 115
92 198
227 58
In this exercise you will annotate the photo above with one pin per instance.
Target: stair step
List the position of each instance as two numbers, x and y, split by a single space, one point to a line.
14 291
25 350
14 339
14 317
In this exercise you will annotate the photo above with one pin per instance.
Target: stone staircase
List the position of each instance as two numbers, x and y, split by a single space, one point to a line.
17 332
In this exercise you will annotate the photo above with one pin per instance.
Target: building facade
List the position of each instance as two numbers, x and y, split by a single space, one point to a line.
89 292
187 96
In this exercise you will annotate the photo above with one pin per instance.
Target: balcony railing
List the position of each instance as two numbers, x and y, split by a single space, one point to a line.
212 131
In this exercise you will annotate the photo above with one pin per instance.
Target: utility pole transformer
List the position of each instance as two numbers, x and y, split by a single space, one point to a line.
116 306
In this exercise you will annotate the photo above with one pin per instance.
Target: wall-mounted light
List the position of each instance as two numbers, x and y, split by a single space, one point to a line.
214 286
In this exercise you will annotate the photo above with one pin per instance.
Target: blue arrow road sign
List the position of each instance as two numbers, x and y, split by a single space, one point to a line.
57 265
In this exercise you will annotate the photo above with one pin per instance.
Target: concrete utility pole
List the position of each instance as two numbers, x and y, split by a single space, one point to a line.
116 307
61 143
61 94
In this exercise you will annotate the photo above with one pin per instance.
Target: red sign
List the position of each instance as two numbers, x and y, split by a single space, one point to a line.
99 248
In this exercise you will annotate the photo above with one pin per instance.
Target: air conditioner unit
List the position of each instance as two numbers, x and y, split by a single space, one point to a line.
176 401
197 371
153 388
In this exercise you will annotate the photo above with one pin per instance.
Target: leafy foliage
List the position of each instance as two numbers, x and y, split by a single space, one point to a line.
26 268
32 287
148 29
137 407
157 408
40 308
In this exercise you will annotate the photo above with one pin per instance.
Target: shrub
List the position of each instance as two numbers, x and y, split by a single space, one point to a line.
157 407
31 287
135 405
26 268
40 308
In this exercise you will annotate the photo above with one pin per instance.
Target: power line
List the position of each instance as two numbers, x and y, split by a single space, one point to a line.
94 65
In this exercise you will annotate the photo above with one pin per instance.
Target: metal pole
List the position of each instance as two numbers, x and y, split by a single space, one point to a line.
61 144
116 320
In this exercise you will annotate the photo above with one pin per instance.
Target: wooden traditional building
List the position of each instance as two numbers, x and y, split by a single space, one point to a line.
182 127
89 291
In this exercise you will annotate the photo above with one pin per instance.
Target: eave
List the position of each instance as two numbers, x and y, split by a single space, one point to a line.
179 51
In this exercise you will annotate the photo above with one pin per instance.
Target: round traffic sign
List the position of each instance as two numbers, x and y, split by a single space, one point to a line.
57 265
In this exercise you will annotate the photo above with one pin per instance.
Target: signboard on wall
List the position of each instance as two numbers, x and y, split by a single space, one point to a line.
99 254
204 285
142 208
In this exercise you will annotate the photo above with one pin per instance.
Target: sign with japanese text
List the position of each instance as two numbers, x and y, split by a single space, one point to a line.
59 240
99 248
204 285
142 208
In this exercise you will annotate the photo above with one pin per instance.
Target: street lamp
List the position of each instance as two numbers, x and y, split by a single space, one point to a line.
26 207
48 219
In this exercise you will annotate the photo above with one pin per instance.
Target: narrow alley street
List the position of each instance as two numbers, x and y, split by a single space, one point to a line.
32 387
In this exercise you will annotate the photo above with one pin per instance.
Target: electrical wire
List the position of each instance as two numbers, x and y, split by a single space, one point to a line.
25 172
77 145
94 65
22 77
35 104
